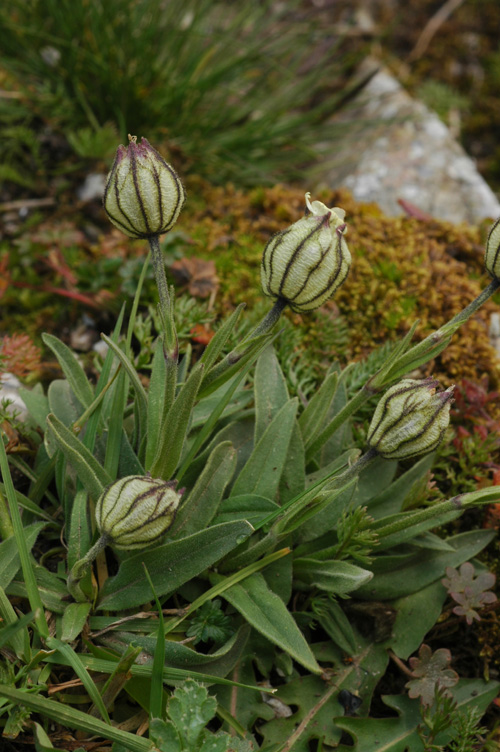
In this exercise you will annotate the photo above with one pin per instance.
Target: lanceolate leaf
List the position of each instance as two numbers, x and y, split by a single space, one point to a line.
175 427
170 565
339 577
9 553
267 613
91 473
312 419
426 567
141 398
262 472
216 344
198 510
270 390
71 369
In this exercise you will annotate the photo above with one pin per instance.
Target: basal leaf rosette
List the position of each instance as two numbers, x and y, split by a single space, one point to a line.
306 263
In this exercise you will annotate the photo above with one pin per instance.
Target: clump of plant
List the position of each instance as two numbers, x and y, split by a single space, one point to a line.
208 78
203 527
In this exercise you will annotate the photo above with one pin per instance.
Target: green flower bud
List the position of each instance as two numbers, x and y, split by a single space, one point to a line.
136 511
492 254
410 419
143 195
307 262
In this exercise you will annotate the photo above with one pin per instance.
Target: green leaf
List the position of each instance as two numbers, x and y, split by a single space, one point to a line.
91 473
390 499
262 472
63 403
245 507
267 613
170 565
141 402
216 344
425 567
198 510
73 620
386 734
14 630
37 404
42 740
156 402
115 426
9 552
412 528
71 369
175 427
332 618
25 503
339 577
313 417
79 534
223 371
416 615
219 662
72 718
74 661
315 704
270 390
190 709
164 735
293 478
400 734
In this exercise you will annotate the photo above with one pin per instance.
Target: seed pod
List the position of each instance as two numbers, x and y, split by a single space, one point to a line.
143 195
410 419
492 254
136 511
308 261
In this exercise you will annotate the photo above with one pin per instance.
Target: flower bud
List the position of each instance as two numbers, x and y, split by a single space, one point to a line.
143 195
136 511
308 261
410 419
492 254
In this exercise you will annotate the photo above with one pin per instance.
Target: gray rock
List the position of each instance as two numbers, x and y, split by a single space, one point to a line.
395 148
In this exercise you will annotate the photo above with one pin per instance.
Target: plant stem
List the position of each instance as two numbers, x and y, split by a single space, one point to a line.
461 502
265 326
270 319
403 365
171 344
79 570
6 528
349 409
427 346
35 601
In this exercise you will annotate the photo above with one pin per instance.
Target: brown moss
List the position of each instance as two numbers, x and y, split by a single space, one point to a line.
402 269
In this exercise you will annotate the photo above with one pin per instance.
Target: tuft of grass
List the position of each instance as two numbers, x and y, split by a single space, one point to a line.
233 89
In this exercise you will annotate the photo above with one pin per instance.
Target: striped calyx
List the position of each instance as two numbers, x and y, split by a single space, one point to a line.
143 195
136 511
308 261
492 254
410 419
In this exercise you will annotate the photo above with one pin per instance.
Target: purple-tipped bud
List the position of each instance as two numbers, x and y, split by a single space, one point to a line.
143 195
136 511
410 419
306 263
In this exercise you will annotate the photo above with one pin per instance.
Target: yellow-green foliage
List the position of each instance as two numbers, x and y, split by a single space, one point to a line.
403 269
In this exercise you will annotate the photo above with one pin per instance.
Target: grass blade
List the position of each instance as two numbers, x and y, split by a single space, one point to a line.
72 718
